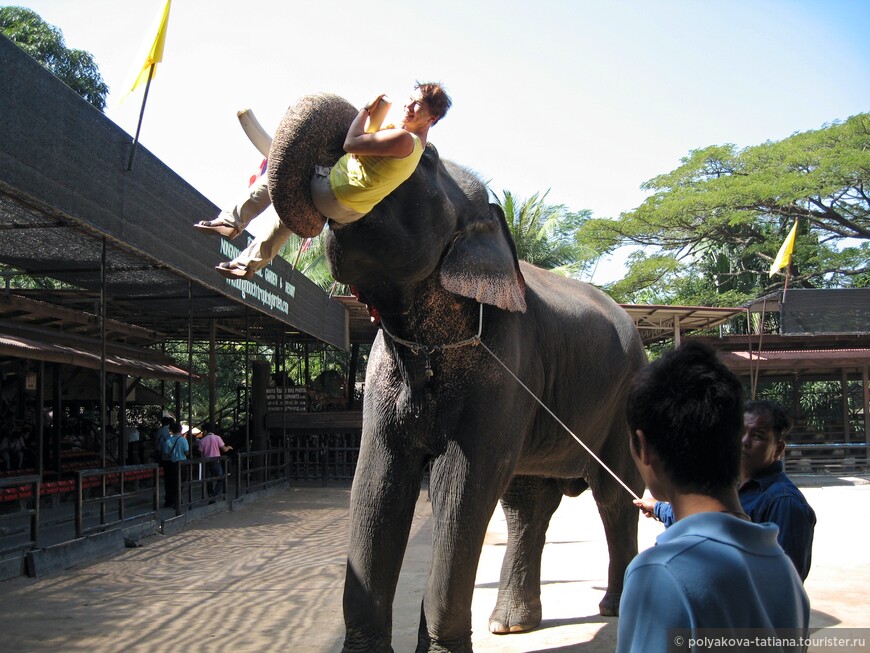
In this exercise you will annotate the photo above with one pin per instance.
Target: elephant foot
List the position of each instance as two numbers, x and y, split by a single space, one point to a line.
366 648
426 644
515 618
609 605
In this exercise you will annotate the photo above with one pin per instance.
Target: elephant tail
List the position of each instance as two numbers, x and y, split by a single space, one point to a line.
311 133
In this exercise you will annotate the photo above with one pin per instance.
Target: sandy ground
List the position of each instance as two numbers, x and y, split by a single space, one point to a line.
269 577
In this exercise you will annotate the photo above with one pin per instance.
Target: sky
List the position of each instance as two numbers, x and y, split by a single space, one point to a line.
586 99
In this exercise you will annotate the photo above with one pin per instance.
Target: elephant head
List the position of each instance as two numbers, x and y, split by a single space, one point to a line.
438 221
311 133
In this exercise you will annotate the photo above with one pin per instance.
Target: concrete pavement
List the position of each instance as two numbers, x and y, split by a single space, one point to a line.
269 577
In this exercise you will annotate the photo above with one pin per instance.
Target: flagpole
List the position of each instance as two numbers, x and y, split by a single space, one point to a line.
299 252
141 115
785 286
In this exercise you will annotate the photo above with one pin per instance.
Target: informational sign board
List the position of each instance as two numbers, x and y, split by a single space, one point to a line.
286 399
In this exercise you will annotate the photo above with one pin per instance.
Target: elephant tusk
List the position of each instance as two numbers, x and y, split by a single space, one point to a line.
254 131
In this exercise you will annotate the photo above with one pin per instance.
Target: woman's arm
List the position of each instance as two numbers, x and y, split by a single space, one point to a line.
388 142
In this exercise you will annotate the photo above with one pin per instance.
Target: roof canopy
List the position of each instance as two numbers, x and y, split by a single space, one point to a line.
69 210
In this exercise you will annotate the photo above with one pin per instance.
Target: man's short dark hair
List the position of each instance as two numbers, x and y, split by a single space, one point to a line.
779 417
435 97
690 409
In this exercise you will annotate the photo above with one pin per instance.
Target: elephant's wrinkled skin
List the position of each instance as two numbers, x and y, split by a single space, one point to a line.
423 258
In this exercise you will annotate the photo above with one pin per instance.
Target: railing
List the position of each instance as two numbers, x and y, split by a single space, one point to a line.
323 457
16 488
809 457
122 496
196 483
260 470
114 497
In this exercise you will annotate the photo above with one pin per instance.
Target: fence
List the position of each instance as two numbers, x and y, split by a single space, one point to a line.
117 492
104 499
22 489
323 457
827 457
200 482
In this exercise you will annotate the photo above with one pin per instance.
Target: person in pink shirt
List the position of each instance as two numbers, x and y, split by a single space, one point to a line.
211 446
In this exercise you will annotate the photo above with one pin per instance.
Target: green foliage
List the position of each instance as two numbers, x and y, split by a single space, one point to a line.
45 43
310 260
819 407
14 279
546 234
723 214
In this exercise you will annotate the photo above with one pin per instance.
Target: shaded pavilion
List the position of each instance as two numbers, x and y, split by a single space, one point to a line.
132 272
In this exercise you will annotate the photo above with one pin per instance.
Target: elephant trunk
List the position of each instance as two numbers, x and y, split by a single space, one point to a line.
311 133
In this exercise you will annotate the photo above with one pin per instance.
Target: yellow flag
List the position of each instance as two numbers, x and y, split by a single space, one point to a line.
154 54
783 257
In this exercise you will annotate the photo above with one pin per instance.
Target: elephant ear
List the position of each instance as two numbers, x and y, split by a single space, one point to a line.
311 133
482 264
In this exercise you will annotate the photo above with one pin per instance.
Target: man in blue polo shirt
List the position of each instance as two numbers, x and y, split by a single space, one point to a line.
766 494
713 568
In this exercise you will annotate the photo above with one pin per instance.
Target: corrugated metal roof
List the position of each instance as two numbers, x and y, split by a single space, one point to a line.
87 357
797 361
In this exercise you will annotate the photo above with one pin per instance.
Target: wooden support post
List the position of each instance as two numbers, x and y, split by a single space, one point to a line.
351 374
40 419
212 375
57 416
191 439
123 454
865 378
844 401
104 412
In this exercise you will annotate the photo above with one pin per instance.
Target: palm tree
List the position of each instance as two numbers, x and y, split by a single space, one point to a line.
546 234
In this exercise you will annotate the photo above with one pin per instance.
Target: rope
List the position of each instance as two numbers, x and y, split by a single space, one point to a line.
475 340
561 423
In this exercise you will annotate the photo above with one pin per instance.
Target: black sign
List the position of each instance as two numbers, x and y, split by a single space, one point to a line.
289 400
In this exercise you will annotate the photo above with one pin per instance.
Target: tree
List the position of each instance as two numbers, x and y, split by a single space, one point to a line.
546 234
44 42
310 259
723 214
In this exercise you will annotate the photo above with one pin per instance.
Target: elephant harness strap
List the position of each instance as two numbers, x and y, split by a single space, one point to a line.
418 348
475 340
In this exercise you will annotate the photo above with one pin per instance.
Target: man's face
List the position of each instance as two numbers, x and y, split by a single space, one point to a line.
761 448
416 112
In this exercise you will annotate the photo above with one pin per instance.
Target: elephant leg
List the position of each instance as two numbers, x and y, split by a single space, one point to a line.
528 505
618 514
465 486
385 490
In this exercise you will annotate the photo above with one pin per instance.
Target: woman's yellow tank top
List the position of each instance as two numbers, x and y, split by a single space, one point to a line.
360 182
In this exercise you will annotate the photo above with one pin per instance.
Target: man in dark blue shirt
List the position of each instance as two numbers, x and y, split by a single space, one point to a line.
766 493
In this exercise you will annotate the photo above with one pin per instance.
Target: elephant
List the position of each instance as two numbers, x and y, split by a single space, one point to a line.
436 264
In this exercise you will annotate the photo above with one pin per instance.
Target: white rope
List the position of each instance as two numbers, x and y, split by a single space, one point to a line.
582 444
